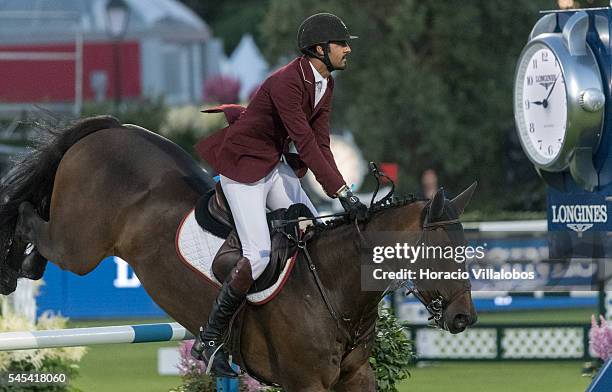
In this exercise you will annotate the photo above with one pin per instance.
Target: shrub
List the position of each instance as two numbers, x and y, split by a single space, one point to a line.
221 89
186 125
49 360
392 354
147 113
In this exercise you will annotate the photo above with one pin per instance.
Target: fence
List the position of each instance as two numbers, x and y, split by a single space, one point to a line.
503 342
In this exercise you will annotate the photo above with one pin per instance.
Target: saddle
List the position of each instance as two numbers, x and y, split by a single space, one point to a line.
213 214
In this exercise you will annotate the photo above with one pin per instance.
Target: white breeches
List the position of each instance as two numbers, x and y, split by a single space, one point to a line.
279 189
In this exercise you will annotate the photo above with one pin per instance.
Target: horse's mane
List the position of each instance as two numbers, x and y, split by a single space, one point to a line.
382 205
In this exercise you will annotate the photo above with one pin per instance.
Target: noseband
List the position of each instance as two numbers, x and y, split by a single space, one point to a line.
436 305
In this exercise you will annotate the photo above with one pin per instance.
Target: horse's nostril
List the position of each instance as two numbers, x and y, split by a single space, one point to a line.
461 321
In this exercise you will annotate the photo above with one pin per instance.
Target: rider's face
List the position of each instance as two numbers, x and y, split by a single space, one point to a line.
338 51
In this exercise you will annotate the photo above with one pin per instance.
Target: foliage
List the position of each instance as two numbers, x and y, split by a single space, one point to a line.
429 85
50 360
147 113
221 89
186 125
392 354
231 19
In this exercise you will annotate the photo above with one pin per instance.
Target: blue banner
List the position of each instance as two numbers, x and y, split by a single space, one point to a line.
112 290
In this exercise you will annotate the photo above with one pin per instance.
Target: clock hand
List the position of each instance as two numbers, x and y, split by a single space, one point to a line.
538 102
551 90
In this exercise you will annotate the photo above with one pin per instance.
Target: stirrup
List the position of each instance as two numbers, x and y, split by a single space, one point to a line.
212 357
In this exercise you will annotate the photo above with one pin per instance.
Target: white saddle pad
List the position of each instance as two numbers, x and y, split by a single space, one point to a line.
197 248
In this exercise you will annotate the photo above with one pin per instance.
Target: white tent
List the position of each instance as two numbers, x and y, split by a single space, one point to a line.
248 65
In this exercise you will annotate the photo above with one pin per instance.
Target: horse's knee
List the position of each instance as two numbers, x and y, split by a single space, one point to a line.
359 379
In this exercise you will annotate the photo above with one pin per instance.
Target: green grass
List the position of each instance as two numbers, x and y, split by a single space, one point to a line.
540 316
497 377
124 367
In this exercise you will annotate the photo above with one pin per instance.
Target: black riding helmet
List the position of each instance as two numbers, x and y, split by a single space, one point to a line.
321 29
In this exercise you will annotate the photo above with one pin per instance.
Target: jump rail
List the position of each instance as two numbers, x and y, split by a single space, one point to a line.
142 333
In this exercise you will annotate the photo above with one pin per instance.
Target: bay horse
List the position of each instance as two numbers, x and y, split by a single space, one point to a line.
100 188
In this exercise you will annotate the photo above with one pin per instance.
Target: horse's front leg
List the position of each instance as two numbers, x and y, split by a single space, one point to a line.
356 374
360 380
31 265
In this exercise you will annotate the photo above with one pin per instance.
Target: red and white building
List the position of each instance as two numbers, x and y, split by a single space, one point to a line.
55 52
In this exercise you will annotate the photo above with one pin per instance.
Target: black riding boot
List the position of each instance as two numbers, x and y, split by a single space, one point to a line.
209 342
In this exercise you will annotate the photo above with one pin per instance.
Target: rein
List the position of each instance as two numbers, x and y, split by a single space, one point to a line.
435 306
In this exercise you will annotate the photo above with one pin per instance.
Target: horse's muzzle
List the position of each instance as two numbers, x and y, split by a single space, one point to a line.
460 322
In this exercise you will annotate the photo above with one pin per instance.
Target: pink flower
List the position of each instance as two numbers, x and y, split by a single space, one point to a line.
188 364
221 89
600 338
250 384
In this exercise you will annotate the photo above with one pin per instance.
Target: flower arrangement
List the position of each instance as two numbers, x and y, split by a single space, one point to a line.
600 338
193 374
48 360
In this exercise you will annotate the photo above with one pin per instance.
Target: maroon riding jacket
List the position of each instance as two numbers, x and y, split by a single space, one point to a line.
280 112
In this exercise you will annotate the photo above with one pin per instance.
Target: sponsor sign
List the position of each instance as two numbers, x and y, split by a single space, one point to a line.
578 212
112 290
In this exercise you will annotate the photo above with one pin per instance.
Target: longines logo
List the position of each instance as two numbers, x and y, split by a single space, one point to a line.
579 217
546 80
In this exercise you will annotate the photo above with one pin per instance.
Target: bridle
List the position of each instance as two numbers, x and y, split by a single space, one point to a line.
437 304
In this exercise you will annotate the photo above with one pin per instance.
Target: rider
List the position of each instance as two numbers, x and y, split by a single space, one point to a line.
257 171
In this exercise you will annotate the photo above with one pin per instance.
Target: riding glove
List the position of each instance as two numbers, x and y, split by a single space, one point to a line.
352 205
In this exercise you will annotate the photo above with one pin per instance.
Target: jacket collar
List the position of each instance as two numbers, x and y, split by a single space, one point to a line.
308 77
306 71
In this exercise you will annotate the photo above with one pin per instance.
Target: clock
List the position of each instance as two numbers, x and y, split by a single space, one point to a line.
559 100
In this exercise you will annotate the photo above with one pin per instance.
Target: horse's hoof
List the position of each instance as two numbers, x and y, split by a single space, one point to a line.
33 266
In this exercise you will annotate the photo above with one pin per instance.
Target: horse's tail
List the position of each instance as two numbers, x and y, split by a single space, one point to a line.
31 177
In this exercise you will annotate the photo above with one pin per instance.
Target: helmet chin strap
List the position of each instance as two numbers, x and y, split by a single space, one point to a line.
326 59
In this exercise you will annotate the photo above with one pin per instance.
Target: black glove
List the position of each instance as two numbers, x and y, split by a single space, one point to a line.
355 208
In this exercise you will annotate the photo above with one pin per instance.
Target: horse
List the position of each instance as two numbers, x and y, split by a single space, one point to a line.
98 188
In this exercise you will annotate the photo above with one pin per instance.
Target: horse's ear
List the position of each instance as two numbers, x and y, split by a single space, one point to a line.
461 201
437 206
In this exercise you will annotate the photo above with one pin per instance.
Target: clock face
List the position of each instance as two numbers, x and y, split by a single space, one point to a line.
540 104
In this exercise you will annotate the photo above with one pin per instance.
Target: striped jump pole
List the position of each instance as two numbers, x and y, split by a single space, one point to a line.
142 333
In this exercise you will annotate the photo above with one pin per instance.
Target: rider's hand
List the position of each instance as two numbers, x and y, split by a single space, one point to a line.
352 205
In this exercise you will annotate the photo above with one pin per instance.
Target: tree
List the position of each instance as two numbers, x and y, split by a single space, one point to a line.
231 19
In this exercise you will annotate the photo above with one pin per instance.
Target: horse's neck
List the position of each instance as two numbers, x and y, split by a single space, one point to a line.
340 270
